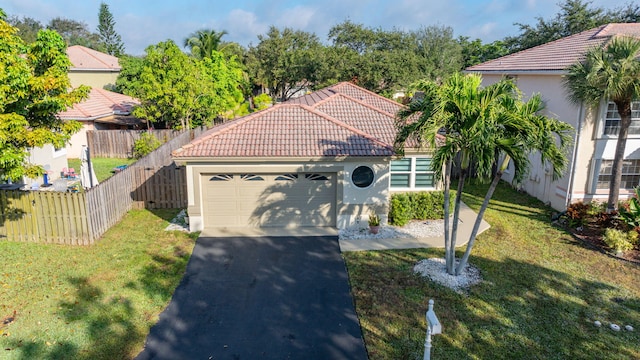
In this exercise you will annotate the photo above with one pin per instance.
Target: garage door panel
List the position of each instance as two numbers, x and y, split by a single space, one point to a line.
269 200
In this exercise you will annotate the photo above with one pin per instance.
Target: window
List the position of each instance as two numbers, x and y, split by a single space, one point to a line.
251 177
221 177
362 176
630 174
315 177
612 119
411 173
287 177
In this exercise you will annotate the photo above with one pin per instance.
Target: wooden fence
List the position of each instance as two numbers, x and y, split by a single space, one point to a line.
152 182
119 143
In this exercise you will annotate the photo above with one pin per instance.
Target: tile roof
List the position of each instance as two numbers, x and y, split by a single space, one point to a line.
100 103
83 58
285 130
340 120
557 55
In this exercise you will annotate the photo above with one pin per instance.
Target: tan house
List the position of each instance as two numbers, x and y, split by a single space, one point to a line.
103 110
92 68
541 70
323 159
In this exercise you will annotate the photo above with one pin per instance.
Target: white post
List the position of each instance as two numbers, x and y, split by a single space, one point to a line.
433 328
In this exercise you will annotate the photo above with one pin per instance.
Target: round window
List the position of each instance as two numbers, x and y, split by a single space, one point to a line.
362 176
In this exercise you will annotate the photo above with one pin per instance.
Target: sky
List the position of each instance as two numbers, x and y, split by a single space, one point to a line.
141 23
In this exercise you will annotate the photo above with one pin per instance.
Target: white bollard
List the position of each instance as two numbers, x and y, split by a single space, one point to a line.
433 328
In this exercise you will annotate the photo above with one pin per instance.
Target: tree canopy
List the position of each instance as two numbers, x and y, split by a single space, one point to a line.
111 40
34 87
285 60
178 91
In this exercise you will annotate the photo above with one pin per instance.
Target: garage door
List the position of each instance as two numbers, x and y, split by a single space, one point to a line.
269 200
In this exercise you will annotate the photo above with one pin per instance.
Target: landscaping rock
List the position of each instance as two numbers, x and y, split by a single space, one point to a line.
597 323
628 327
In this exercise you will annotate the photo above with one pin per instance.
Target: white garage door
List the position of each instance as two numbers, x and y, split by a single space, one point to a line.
269 200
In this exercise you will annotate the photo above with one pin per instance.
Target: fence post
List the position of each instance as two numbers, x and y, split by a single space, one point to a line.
433 328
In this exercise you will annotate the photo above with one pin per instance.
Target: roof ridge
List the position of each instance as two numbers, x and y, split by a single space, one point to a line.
86 50
348 83
345 125
517 53
361 102
225 127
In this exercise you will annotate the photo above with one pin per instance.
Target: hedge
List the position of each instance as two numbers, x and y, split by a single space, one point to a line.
424 205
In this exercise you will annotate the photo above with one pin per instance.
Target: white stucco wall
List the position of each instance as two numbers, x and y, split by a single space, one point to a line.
353 204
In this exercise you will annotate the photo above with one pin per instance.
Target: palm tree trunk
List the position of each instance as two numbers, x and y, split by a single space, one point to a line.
447 200
483 208
616 169
454 229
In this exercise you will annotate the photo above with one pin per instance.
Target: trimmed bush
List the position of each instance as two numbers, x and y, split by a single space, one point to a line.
424 205
400 211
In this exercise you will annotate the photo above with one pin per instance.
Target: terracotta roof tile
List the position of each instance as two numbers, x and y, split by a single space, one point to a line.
83 58
285 130
99 104
557 55
340 120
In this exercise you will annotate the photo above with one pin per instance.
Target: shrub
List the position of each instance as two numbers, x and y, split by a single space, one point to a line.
400 211
262 102
619 240
577 214
374 219
630 210
145 144
424 205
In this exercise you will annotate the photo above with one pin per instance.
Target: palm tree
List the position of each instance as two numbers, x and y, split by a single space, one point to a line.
609 73
203 42
482 126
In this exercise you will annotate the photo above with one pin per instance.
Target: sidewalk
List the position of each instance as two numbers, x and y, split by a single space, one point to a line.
467 219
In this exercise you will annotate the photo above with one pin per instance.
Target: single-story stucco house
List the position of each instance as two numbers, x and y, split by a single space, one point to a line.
541 70
325 159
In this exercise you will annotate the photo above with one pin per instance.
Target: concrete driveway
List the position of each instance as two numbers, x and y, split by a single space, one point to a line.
260 297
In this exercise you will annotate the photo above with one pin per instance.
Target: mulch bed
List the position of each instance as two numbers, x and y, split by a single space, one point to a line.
591 235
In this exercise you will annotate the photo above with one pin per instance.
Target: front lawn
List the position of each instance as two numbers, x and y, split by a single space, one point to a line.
542 290
93 302
102 166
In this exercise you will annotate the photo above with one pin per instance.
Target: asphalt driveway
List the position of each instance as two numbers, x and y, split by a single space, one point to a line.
260 298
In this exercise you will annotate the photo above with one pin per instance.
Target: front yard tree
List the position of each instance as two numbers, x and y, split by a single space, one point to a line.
612 74
111 40
485 128
34 87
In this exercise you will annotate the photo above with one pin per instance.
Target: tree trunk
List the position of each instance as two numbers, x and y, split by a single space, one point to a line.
483 208
624 109
447 200
454 228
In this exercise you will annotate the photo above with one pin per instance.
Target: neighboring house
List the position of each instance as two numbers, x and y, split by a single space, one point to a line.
103 110
323 159
92 68
541 70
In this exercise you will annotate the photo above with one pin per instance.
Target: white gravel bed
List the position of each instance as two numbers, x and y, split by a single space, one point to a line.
415 229
436 270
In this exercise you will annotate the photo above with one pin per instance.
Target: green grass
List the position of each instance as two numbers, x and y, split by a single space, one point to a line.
102 166
541 292
94 302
